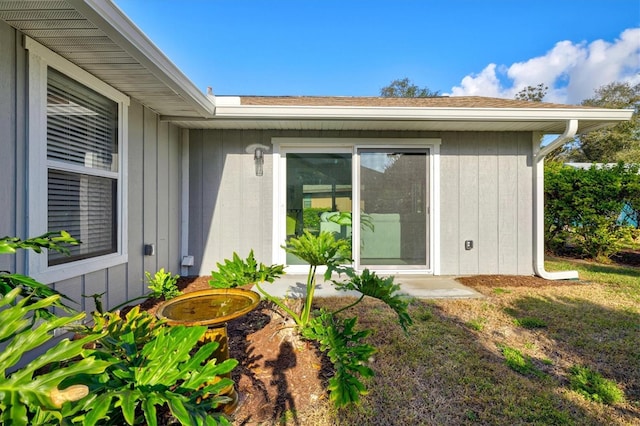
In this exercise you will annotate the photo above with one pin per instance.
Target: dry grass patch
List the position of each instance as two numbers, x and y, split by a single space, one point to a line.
451 369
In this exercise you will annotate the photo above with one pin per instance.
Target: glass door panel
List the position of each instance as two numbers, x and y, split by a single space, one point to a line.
319 195
394 208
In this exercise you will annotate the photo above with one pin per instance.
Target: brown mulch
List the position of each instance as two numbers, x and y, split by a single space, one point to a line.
277 375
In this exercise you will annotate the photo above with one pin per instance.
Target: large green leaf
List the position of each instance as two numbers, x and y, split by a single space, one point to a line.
384 289
25 393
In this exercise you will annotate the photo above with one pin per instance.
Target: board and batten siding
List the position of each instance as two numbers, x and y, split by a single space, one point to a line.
486 197
485 192
154 196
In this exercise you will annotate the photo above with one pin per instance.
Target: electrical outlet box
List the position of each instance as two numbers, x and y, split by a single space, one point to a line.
468 244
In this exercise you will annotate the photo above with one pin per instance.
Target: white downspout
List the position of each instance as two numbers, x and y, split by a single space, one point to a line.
538 211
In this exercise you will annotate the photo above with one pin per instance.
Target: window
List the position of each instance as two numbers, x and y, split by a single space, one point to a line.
77 145
82 133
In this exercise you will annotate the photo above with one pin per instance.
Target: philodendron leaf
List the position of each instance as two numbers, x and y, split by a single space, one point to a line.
384 289
25 391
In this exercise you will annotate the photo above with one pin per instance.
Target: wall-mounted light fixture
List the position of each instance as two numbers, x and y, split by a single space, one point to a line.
258 151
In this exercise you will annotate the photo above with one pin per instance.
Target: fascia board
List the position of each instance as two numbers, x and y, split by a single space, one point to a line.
423 113
118 27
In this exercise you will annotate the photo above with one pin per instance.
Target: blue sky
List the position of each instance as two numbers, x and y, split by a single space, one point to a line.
353 48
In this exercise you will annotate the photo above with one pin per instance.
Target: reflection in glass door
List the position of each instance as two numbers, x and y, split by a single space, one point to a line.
319 195
394 208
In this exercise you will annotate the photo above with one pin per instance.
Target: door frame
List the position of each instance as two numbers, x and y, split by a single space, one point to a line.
284 145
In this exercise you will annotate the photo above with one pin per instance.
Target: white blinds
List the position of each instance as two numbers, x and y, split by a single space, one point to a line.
82 149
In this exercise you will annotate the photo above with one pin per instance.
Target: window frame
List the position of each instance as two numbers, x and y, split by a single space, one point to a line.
40 60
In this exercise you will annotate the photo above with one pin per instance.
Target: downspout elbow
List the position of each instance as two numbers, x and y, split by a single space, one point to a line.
539 154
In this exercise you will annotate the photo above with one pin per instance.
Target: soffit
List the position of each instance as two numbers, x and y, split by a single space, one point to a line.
99 38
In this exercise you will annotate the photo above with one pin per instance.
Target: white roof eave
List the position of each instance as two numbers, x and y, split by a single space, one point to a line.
589 118
419 113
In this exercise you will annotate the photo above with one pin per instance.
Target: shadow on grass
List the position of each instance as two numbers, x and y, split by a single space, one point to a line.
444 373
607 340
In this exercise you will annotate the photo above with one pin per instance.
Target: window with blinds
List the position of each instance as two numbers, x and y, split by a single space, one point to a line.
82 163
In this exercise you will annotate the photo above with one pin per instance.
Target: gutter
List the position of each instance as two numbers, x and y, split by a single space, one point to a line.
571 127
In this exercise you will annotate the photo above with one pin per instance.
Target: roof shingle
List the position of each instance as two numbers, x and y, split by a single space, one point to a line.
364 101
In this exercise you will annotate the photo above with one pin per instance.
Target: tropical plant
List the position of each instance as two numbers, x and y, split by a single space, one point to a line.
163 284
346 351
39 392
239 272
344 344
153 367
55 241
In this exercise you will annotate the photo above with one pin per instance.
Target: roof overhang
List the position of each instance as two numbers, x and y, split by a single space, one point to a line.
99 38
544 120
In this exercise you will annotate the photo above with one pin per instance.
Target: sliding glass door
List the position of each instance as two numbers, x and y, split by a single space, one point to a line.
376 198
394 208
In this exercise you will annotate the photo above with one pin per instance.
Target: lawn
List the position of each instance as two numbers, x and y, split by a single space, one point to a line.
505 359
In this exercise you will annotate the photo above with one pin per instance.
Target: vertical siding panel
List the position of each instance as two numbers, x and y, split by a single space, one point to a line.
449 204
487 245
196 209
264 247
94 283
231 194
8 160
508 189
72 288
469 203
150 192
174 198
212 203
252 199
162 198
21 181
116 286
135 200
525 205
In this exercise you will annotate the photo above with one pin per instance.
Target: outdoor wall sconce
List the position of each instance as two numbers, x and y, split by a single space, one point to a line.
258 151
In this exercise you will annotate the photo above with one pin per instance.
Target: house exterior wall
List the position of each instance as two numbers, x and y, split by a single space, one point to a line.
154 196
485 196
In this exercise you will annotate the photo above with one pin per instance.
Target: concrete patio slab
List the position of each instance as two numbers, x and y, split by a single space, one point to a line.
419 286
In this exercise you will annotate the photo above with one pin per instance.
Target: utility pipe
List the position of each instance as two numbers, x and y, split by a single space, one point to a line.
539 153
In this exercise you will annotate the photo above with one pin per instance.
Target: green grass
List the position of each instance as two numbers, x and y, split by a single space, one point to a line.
530 322
592 385
622 279
515 360
476 324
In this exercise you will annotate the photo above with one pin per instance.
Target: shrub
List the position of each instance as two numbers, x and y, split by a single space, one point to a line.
582 208
593 386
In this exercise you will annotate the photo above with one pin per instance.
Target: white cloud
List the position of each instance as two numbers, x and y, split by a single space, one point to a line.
572 71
